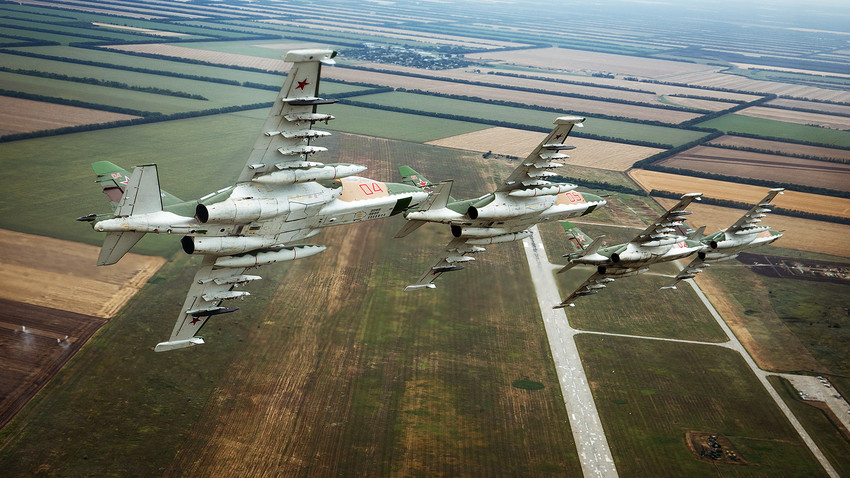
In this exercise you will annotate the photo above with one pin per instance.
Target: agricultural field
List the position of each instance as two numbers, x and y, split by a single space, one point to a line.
52 302
24 116
585 61
787 325
798 117
801 234
330 368
519 143
783 147
771 167
651 393
778 129
398 378
814 203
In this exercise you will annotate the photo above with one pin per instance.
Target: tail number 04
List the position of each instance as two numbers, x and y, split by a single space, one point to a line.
371 189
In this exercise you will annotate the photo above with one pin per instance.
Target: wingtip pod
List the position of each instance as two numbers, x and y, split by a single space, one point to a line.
178 344
323 55
420 287
576 120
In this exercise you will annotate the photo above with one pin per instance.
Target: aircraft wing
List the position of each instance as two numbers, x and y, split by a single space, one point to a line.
284 142
535 169
210 288
689 272
455 254
664 225
592 285
746 224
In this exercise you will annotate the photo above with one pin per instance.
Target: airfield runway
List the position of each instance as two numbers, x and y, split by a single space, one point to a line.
591 443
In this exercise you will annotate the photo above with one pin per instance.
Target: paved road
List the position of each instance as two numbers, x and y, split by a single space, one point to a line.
591 443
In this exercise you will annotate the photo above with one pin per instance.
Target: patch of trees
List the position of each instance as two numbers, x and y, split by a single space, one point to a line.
752 181
110 84
745 206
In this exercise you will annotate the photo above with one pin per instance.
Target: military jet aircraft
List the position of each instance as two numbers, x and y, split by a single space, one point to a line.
725 245
659 242
280 197
523 200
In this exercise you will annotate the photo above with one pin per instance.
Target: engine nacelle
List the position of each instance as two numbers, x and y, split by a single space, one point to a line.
225 245
630 256
241 211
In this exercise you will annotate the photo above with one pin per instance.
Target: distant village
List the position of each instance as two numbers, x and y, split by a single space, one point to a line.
397 55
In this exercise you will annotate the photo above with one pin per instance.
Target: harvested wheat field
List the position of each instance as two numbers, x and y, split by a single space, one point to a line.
62 275
770 167
801 234
799 117
783 147
25 116
814 203
515 142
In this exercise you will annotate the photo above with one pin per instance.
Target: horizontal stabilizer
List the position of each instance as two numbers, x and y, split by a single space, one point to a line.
420 286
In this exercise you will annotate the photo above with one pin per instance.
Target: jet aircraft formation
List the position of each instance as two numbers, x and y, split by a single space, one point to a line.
282 197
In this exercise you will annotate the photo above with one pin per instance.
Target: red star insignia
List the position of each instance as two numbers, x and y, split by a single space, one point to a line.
302 84
558 136
195 320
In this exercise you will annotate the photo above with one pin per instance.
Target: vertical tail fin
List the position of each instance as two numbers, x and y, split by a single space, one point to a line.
411 177
114 180
141 195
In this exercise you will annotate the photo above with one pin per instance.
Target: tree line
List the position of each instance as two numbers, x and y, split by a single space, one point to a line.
107 83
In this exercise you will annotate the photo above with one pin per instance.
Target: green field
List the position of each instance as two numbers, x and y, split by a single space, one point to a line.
379 378
49 181
778 129
401 126
650 393
531 116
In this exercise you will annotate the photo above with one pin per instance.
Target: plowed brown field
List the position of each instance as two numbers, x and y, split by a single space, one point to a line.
772 167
